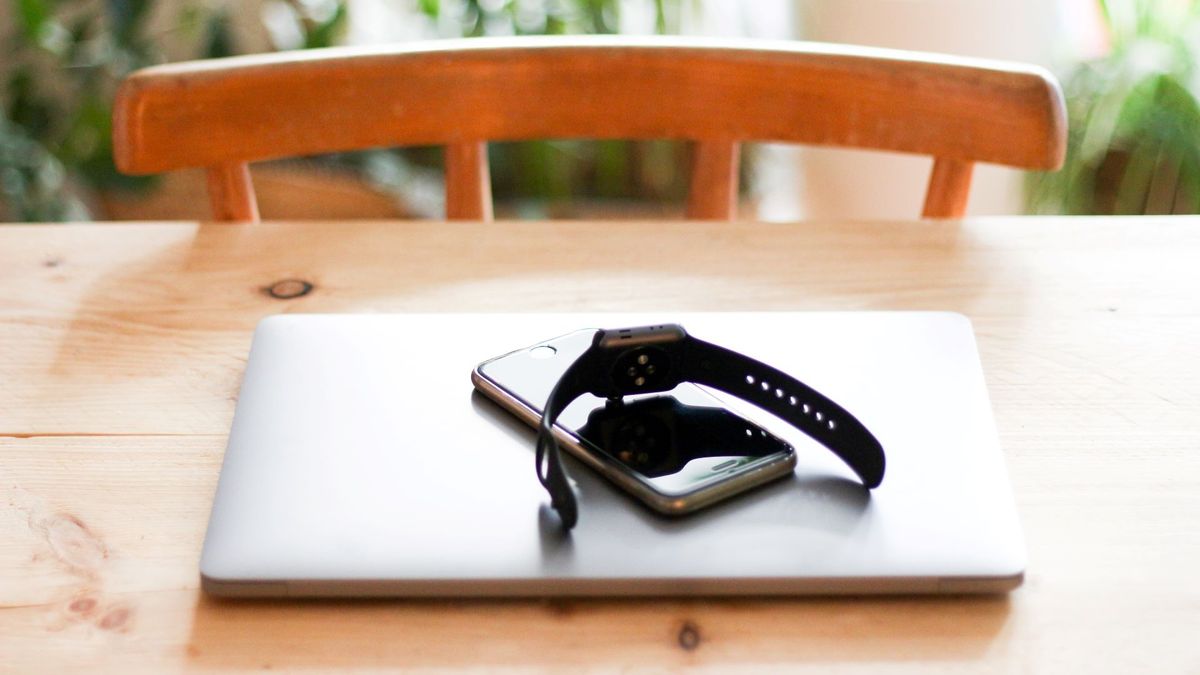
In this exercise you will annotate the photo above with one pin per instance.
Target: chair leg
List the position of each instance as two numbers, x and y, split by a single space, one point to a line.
468 182
231 193
712 193
949 188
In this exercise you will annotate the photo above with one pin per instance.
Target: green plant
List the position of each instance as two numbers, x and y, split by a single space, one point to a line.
61 67
32 180
65 58
1134 117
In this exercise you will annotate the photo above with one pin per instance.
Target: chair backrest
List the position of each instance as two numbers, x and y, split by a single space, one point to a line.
222 114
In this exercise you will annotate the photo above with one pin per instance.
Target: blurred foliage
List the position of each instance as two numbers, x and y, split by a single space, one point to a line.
31 180
1134 116
62 63
63 60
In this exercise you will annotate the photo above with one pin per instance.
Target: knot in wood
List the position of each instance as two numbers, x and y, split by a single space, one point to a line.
287 289
689 636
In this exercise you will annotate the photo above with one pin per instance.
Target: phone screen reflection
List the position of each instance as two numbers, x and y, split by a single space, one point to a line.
675 445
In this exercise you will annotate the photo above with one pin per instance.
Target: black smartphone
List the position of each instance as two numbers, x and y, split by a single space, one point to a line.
676 452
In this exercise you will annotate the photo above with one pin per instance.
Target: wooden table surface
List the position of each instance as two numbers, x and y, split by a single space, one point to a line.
122 345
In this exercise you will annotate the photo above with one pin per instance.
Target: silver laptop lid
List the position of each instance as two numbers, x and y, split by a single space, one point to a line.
360 462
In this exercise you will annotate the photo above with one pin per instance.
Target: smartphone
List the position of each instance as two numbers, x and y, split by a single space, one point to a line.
676 452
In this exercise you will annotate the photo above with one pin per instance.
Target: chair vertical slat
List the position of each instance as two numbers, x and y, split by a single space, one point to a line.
713 189
231 193
468 182
949 188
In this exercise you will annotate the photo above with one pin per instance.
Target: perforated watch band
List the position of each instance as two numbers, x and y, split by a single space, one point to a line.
784 396
598 369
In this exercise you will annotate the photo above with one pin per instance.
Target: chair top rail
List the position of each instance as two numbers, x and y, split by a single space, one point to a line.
261 107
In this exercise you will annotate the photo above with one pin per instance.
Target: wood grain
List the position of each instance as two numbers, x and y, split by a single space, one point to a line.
121 349
252 108
713 191
468 182
949 188
231 192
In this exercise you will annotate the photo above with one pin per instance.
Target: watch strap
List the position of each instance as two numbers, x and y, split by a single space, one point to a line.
726 370
789 399
571 385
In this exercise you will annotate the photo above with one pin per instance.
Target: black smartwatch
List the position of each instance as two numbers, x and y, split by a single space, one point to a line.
648 359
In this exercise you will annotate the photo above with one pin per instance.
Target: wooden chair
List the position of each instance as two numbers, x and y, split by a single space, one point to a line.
222 114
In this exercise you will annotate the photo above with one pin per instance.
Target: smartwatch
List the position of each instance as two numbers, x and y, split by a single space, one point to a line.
649 359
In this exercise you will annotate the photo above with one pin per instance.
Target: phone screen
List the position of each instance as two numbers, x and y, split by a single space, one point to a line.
675 442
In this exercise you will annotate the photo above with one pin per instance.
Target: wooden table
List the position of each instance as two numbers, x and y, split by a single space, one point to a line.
121 349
